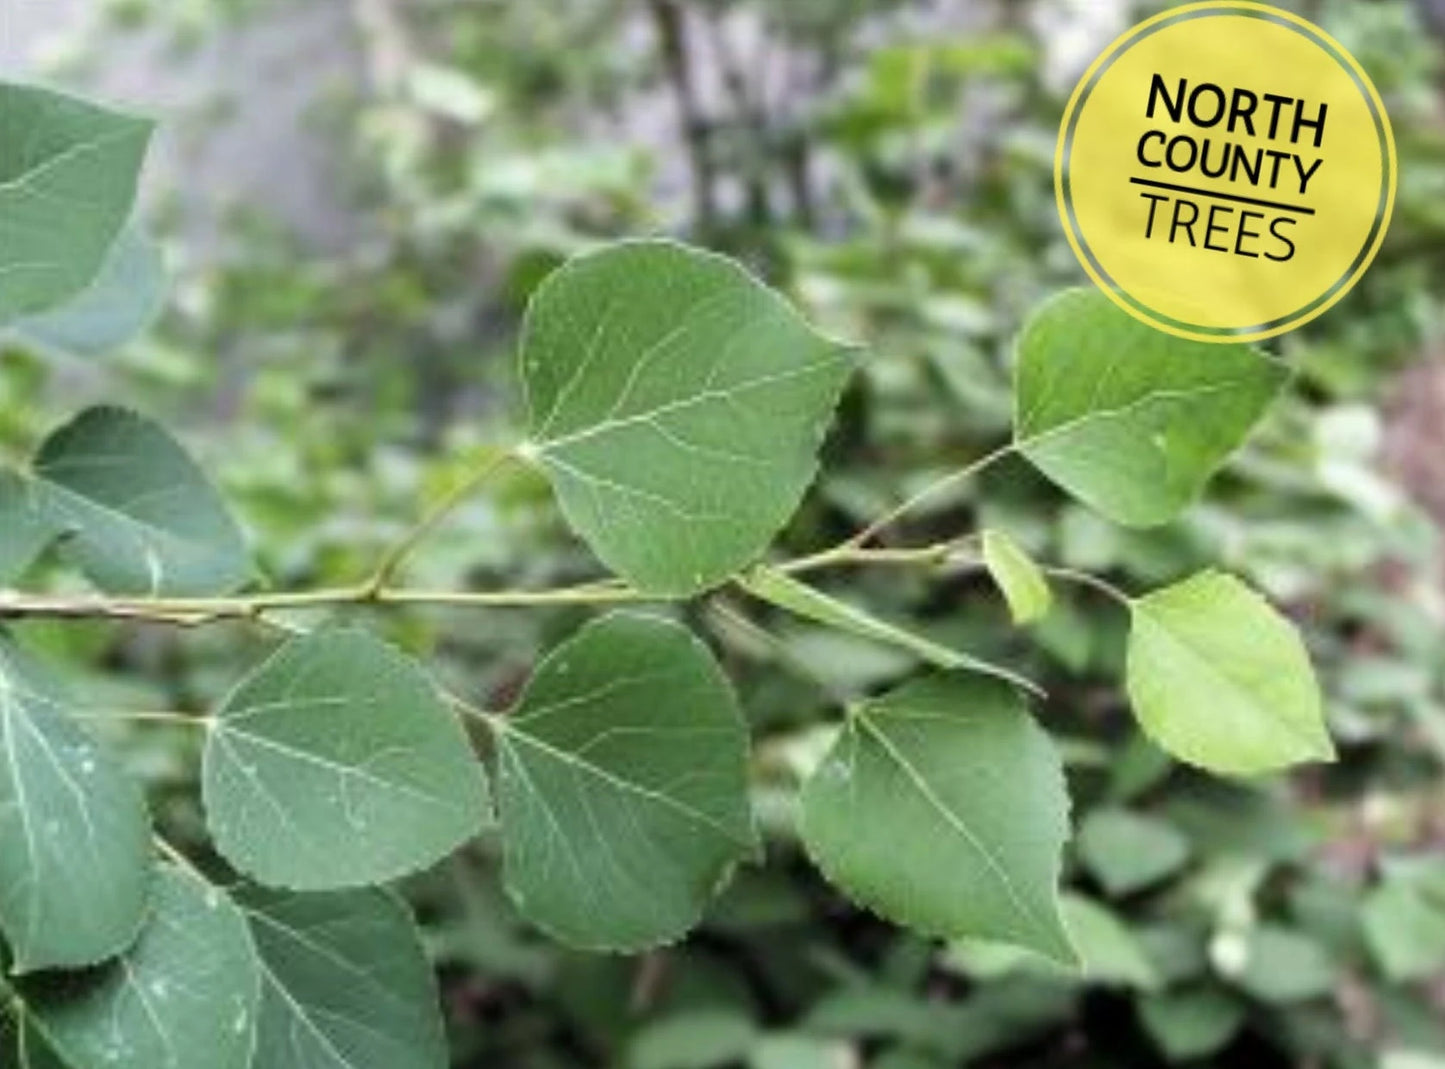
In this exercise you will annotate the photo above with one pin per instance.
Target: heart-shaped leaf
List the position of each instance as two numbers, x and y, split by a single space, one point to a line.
184 995
1221 680
1126 852
1128 419
26 528
68 172
1192 1023
345 983
141 516
75 852
335 764
942 807
623 789
677 405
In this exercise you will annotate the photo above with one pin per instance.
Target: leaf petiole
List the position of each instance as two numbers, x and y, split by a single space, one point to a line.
394 557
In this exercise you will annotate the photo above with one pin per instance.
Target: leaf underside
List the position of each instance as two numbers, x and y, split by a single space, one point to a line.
1019 579
780 589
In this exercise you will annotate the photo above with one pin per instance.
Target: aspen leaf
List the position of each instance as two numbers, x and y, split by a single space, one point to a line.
75 852
1221 680
942 807
119 303
68 174
141 517
677 405
622 784
345 983
185 994
335 764
1128 419
1018 577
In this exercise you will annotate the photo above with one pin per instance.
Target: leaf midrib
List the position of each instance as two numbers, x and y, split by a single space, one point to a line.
21 182
160 534
1159 629
695 815
956 822
649 416
375 989
31 848
1029 440
335 767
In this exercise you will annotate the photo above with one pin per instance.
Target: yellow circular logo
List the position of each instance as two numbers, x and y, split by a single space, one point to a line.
1225 171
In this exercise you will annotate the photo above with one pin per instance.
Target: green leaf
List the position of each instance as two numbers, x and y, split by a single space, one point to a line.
119 303
75 852
68 172
677 405
793 1051
345 983
1110 953
868 1009
1018 577
1405 929
142 518
693 1039
336 763
780 589
184 995
1283 966
623 785
31 1049
1221 680
25 527
942 807
1411 1059
1128 419
1190 1024
1126 852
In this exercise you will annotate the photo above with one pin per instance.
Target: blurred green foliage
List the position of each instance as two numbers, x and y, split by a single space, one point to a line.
897 180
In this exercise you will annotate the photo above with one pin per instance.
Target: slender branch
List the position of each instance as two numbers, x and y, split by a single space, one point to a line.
851 550
949 551
190 612
15 604
933 489
1103 586
394 557
586 594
